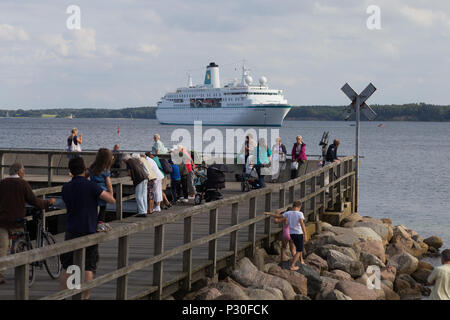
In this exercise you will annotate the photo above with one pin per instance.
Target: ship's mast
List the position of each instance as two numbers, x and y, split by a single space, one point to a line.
245 71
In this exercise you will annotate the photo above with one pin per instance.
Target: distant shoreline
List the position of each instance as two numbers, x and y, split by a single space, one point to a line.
406 112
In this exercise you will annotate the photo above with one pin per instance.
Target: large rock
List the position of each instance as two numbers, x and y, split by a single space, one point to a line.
388 273
259 259
367 234
230 288
348 239
389 293
324 226
351 218
373 247
407 287
355 290
369 259
337 260
316 261
434 241
209 294
314 282
364 280
323 251
248 275
265 293
336 295
421 275
337 274
384 231
297 280
402 236
404 263
328 285
425 265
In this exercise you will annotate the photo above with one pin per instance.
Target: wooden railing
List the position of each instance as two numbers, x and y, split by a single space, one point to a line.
319 197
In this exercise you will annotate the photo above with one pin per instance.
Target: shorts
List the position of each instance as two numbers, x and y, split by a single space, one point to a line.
91 258
298 241
164 182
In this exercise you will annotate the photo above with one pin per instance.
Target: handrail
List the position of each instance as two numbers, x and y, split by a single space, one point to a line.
21 260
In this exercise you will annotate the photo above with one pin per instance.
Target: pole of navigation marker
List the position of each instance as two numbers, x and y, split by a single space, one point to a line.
358 104
358 116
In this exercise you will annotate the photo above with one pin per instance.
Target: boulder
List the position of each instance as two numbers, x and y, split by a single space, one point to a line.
425 265
336 295
364 280
389 293
369 259
314 282
297 280
268 266
355 290
265 293
367 233
323 251
248 275
316 261
386 221
227 297
337 260
402 236
230 288
373 247
381 229
208 294
404 263
259 258
328 285
407 288
388 273
349 239
325 226
421 275
337 274
434 241
388 284
353 217
418 249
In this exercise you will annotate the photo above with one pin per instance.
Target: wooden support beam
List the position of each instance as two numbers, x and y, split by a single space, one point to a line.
234 234
21 278
122 261
282 198
50 170
119 201
212 253
187 255
268 221
252 227
158 266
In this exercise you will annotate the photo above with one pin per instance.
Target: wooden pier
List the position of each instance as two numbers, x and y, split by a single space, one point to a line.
169 252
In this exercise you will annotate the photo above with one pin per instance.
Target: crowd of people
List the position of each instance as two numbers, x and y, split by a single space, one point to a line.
90 190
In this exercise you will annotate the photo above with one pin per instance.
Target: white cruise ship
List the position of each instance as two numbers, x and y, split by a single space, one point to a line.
235 104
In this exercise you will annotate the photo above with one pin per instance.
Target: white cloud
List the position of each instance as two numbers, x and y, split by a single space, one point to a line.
152 49
11 33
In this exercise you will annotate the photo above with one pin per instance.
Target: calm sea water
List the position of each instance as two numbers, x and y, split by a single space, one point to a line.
404 175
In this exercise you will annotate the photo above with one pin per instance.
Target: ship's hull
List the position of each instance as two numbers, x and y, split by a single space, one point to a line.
258 116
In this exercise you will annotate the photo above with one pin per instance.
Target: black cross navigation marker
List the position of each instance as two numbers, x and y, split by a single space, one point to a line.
363 96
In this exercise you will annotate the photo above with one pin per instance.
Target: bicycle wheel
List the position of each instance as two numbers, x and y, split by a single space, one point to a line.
21 245
52 264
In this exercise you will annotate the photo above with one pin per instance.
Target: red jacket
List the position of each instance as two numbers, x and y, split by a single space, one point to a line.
301 155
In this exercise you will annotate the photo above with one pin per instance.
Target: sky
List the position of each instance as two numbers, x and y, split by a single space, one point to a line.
130 53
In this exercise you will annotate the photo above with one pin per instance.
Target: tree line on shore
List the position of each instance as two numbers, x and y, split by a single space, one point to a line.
405 112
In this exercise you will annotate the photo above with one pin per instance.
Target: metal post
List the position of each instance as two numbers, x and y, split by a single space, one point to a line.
358 113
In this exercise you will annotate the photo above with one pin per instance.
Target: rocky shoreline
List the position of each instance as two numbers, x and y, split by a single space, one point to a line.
335 266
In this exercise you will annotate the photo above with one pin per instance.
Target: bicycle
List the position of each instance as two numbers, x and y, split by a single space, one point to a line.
21 241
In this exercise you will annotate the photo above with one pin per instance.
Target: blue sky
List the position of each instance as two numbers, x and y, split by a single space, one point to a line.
130 53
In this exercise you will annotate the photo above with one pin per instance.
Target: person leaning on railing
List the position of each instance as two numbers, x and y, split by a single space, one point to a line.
15 193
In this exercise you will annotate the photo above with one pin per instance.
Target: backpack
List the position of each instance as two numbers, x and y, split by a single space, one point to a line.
166 167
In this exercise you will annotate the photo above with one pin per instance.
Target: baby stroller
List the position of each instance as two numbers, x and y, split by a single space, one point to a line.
250 177
208 184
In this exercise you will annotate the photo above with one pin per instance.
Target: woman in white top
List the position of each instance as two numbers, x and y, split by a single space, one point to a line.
157 185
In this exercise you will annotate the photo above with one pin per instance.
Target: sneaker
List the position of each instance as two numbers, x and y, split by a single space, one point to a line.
157 209
101 227
185 200
107 226
191 197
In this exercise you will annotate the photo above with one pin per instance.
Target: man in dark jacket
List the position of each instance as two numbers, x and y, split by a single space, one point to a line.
15 193
332 151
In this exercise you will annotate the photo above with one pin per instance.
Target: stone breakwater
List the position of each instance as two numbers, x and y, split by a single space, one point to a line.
335 266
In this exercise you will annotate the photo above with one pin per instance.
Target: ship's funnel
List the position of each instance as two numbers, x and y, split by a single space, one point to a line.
212 75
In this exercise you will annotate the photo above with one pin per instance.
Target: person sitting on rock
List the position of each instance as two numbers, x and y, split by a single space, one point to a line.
440 278
297 229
